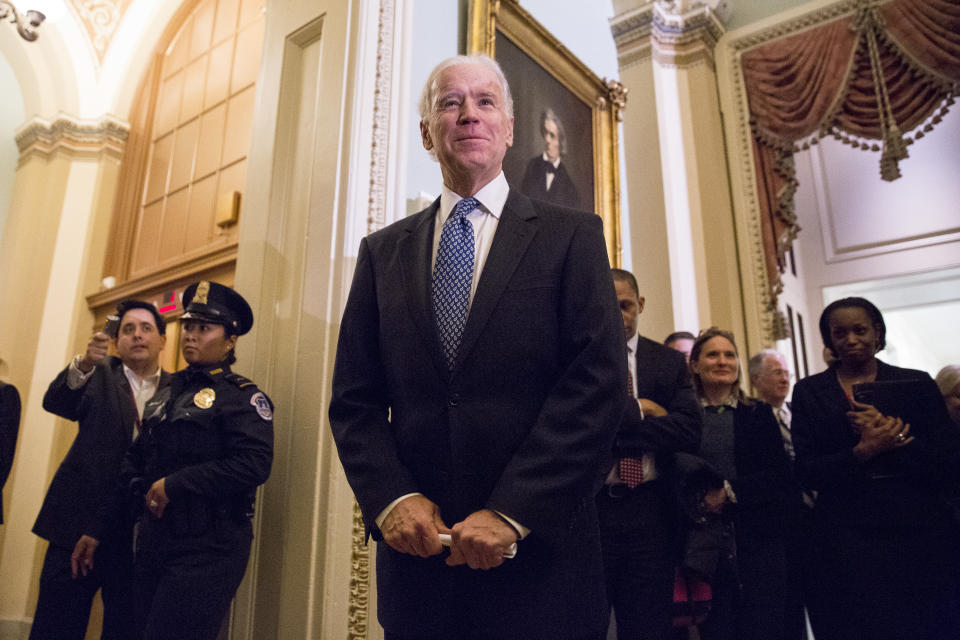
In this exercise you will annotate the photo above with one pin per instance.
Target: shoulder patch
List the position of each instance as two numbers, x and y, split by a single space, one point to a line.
262 405
239 380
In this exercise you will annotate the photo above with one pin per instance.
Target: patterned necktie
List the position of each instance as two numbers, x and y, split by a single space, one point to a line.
452 278
630 469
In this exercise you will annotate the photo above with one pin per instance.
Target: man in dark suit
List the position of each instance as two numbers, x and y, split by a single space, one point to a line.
105 395
477 386
638 532
9 427
546 177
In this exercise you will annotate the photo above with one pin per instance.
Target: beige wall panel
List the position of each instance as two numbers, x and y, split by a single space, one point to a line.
203 201
194 81
246 62
184 151
170 242
250 10
148 235
239 119
179 51
218 78
159 169
169 104
226 22
202 28
25 255
294 214
211 141
233 178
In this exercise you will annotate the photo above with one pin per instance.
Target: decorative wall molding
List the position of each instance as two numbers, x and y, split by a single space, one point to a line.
100 19
676 33
631 35
381 116
685 38
108 135
359 593
836 249
359 604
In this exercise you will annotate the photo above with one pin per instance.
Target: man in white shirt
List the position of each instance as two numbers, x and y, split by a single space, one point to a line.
478 384
105 395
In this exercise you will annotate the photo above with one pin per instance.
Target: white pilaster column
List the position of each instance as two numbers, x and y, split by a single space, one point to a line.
684 232
50 259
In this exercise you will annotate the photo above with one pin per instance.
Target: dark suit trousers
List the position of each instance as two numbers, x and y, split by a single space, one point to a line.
63 605
638 543
184 584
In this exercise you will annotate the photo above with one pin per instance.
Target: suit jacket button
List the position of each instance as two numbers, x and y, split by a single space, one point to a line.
452 400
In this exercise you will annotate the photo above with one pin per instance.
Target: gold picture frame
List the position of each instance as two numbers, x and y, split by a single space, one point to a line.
543 74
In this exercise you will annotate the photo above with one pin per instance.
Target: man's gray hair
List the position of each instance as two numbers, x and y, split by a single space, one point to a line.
428 98
755 365
948 379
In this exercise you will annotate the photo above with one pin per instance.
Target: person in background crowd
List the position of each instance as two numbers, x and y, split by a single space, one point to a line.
770 377
9 427
105 395
192 474
637 525
948 379
682 341
889 539
741 440
478 385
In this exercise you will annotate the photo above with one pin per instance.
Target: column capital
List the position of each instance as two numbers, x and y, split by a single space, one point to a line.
675 32
685 32
105 135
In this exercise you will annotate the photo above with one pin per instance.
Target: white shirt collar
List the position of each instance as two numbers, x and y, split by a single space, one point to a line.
632 343
132 376
492 198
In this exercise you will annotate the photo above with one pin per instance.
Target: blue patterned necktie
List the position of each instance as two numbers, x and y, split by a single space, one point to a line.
452 278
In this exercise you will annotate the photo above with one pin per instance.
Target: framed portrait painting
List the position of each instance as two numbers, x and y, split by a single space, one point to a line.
565 117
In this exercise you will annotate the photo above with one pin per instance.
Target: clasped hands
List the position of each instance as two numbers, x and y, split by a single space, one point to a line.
414 526
878 433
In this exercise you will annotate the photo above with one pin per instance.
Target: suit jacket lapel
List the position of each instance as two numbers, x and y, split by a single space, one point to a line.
515 230
416 258
128 409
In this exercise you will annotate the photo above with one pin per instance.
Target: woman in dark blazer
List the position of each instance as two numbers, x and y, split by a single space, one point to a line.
741 440
888 536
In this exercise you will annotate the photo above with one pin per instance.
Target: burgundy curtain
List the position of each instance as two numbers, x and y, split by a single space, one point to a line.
865 79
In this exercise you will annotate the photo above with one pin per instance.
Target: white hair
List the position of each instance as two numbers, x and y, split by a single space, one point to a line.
948 379
428 98
755 364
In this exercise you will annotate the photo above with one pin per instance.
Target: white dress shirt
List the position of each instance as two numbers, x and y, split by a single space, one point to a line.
142 388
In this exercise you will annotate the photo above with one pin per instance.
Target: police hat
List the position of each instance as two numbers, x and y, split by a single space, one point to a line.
216 303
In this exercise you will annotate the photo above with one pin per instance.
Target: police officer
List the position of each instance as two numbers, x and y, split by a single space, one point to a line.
205 446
